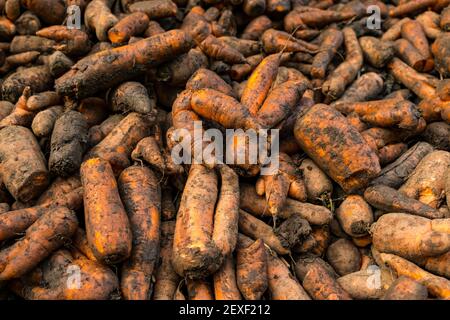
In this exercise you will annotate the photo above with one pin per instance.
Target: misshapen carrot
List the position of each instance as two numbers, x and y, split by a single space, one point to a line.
225 286
353 163
129 61
259 83
47 234
347 71
195 255
107 225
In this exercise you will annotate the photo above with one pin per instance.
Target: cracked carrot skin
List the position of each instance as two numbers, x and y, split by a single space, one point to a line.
47 234
23 166
259 83
411 236
195 255
251 268
111 67
107 225
437 286
352 164
141 195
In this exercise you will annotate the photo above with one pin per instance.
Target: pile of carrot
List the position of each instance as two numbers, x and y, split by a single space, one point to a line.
355 203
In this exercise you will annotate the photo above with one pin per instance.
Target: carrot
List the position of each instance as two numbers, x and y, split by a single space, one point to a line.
254 7
108 230
153 29
12 9
98 18
216 106
280 102
81 244
66 192
117 146
441 49
257 229
429 21
37 78
355 216
244 46
225 24
414 33
195 254
20 115
148 150
256 28
207 79
219 50
19 149
94 110
259 83
227 212
6 108
318 280
410 7
293 231
331 41
427 182
199 290
274 41
397 172
49 11
251 268
131 96
68 143
98 132
131 25
58 63
252 202
282 284
225 285
344 257
370 283
141 196
384 113
347 71
27 23
391 200
437 286
405 288
130 60
240 71
15 222
408 53
96 281
421 238
350 174
43 100
70 41
367 87
182 68
302 19
44 121
285 181
47 234
154 9
316 181
166 278
21 44
437 134
19 59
